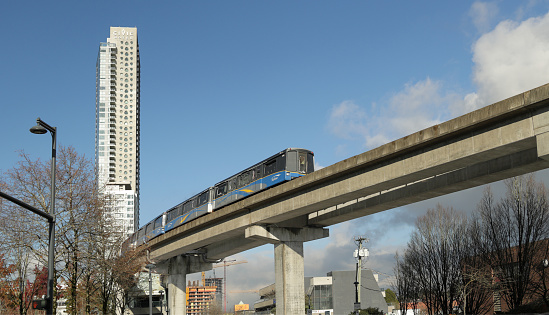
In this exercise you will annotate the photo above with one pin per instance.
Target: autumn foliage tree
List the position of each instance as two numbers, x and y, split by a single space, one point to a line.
87 243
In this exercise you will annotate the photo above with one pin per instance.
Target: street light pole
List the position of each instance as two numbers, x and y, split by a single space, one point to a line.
150 267
42 128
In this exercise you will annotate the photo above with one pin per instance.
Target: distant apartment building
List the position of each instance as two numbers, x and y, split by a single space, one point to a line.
117 130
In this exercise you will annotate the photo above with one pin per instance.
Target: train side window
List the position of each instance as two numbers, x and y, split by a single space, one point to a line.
203 198
158 222
270 167
281 163
244 179
221 190
232 184
188 206
172 213
149 228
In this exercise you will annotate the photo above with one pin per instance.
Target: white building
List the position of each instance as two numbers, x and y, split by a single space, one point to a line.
117 123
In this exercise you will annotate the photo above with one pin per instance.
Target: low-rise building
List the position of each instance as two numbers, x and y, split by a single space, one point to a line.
333 294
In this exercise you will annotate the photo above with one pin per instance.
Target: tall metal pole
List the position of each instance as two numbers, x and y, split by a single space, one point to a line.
42 128
51 251
356 283
359 254
150 293
150 267
359 271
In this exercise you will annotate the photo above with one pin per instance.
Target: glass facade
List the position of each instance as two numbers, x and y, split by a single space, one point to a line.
321 297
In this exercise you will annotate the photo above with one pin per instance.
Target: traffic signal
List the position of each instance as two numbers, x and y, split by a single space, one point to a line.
41 304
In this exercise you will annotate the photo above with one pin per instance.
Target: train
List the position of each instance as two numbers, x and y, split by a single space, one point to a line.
283 166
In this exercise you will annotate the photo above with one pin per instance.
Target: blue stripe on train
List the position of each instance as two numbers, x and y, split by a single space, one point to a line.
186 217
263 183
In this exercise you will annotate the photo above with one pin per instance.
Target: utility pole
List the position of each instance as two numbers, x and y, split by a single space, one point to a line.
359 254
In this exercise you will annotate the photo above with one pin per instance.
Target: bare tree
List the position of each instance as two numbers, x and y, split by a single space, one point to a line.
406 285
477 286
432 260
513 229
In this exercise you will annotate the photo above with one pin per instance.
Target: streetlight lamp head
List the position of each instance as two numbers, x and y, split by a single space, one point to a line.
39 130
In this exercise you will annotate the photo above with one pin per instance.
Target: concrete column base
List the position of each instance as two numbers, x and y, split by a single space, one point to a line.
177 294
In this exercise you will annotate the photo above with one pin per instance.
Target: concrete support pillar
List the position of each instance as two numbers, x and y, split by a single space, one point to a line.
289 275
289 272
177 269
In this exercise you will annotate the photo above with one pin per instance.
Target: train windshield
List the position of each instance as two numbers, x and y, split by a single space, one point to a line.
302 162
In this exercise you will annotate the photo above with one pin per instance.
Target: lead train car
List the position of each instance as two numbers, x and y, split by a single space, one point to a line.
281 167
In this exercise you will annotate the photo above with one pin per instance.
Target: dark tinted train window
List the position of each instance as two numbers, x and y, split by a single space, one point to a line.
257 173
221 190
158 222
244 179
149 228
203 198
270 167
311 163
188 206
172 213
232 184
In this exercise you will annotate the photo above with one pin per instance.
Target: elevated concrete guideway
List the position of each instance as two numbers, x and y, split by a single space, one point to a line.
498 141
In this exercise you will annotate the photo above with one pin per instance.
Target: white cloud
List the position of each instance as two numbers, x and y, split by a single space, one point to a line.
483 14
419 105
347 120
509 60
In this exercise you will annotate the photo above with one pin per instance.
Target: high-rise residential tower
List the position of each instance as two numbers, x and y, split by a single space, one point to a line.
117 124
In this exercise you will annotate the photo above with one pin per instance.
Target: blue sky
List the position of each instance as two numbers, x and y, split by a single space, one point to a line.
228 83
